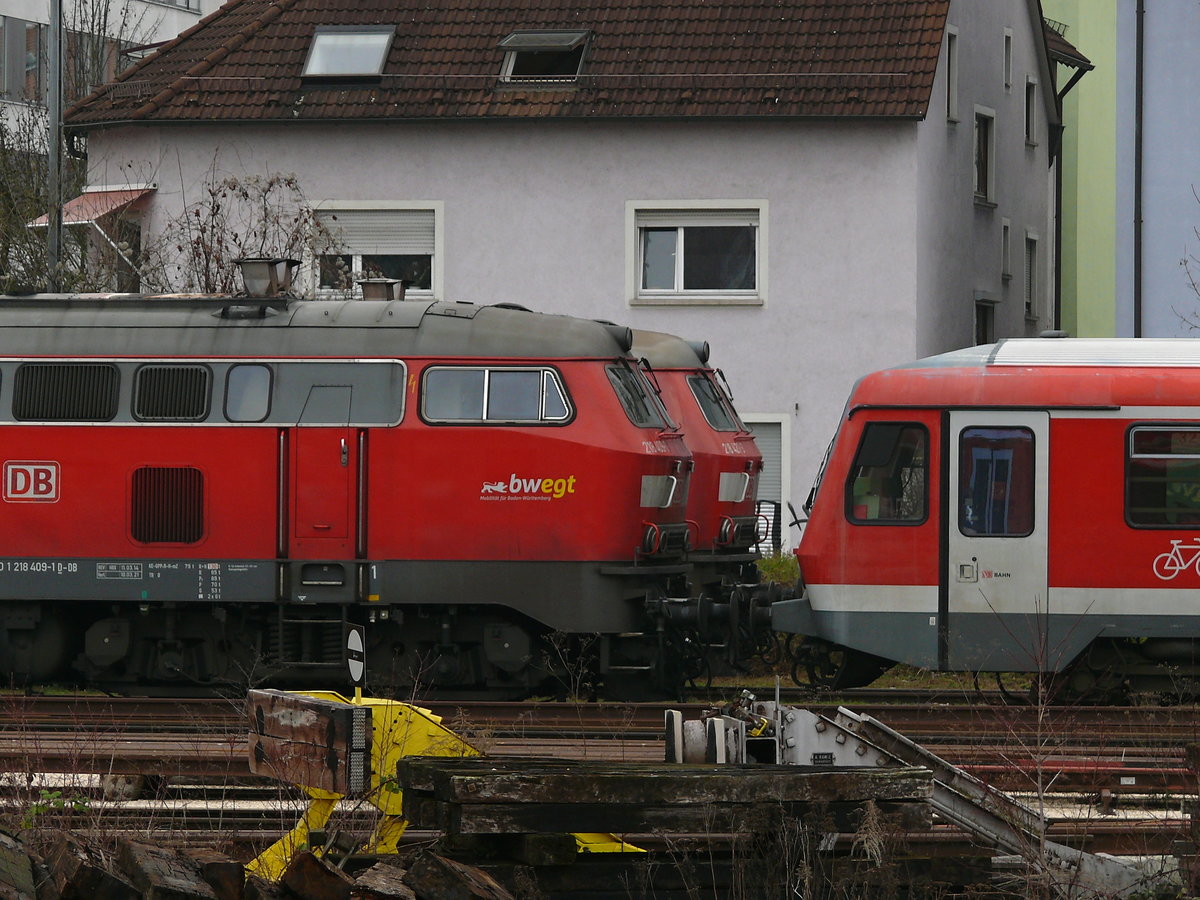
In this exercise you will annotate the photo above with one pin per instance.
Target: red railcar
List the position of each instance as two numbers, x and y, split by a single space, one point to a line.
200 492
1030 506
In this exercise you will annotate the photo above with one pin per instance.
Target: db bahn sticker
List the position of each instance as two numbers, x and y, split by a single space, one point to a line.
31 482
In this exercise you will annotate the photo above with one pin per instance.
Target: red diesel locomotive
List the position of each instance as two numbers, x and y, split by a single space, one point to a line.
1030 506
206 491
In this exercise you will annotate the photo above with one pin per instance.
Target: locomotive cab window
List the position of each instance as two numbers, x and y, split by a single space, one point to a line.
1162 480
887 483
714 403
995 482
500 395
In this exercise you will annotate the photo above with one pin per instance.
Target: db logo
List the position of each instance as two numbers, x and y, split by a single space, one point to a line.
31 482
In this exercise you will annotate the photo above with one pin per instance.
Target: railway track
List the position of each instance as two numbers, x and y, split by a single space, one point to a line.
1116 779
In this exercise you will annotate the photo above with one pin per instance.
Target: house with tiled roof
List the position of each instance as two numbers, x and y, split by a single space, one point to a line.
819 188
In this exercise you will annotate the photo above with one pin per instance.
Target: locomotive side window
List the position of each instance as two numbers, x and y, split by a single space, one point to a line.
171 393
65 392
248 393
888 481
714 404
996 482
1162 482
635 397
167 505
493 395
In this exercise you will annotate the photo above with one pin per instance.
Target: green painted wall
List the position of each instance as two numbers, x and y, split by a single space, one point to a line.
1089 169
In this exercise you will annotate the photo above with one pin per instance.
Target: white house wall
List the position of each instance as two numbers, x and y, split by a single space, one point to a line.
535 213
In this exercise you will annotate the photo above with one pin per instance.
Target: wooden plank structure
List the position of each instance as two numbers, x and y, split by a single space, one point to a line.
309 741
490 795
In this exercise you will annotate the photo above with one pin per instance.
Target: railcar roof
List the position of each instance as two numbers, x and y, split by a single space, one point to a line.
1142 352
136 325
1044 373
665 351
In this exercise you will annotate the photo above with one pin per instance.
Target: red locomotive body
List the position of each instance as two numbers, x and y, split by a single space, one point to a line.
1029 506
722 496
201 492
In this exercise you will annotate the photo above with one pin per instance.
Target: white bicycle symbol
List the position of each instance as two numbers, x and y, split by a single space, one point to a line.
1169 564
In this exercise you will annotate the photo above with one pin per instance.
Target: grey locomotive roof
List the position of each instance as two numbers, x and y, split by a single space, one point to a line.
667 351
119 325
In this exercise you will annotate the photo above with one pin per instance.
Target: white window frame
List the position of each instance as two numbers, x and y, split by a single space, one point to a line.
1031 296
951 73
734 210
984 194
1031 98
1008 60
437 273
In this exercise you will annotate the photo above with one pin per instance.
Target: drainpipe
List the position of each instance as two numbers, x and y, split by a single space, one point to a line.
1139 94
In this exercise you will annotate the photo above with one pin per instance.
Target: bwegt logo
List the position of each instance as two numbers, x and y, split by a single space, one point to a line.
520 487
31 482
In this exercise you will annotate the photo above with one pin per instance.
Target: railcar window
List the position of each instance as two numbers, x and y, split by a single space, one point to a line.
167 505
1162 481
888 483
713 403
248 393
171 393
635 397
995 482
66 392
493 395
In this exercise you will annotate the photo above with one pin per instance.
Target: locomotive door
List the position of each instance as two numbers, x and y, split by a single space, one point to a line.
324 476
998 522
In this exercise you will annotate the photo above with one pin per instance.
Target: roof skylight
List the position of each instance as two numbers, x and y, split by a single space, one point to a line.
543 55
348 51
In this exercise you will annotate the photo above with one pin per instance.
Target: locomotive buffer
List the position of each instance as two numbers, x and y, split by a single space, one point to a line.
751 731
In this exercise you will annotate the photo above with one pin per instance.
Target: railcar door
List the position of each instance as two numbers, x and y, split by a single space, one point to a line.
995 612
324 474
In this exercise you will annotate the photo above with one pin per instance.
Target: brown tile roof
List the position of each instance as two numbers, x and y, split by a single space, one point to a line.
1061 50
659 58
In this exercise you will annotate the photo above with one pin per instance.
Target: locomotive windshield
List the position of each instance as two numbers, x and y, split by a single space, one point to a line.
641 407
714 404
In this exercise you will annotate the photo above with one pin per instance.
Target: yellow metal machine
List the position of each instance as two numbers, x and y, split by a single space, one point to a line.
334 747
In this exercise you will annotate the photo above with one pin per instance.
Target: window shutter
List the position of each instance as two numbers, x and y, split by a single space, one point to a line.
769 437
670 218
381 231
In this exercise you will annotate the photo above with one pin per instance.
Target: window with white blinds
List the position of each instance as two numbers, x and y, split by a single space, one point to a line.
379 243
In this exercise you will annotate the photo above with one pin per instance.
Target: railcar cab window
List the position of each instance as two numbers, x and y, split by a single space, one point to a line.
888 483
715 404
494 395
1162 480
995 482
633 392
248 393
